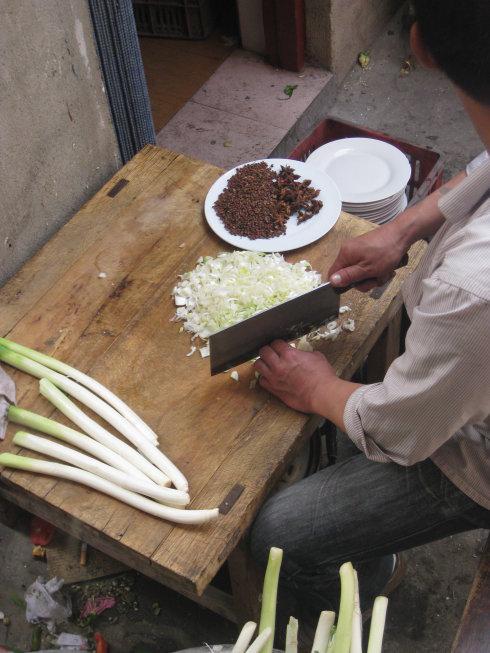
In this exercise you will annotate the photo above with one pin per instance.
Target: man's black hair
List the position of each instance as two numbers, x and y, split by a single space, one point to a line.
457 35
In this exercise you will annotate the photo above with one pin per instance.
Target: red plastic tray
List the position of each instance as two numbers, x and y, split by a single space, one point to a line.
427 168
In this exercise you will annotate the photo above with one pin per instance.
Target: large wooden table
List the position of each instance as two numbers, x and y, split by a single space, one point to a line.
143 229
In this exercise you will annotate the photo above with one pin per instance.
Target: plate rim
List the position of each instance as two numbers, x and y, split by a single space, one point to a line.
371 196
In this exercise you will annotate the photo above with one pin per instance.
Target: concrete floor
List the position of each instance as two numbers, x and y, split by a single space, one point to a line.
425 610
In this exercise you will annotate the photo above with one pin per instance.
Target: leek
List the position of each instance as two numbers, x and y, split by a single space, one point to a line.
263 640
48 426
343 633
245 637
269 596
88 425
67 455
356 639
323 630
292 636
378 619
102 485
87 381
101 408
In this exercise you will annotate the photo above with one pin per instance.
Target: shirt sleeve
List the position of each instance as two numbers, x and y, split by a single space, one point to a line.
439 384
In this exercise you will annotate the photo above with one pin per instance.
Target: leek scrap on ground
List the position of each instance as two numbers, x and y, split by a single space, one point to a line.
91 480
87 381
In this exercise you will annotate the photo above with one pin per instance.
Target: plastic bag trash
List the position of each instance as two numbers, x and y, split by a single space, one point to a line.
7 397
45 603
72 641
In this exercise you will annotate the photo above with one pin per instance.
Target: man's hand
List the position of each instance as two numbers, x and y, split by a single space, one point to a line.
373 255
299 378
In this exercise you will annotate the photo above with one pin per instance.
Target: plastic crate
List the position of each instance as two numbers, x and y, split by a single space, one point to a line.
177 19
427 168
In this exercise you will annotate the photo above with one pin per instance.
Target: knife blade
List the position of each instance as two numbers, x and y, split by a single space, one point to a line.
287 321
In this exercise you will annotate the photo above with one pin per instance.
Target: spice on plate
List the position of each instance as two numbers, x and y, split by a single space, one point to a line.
258 202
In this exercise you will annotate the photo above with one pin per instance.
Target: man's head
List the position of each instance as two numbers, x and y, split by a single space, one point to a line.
455 34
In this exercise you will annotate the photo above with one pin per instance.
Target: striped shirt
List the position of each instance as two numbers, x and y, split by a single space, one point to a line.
434 401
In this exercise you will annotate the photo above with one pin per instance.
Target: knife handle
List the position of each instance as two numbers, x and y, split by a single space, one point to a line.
403 262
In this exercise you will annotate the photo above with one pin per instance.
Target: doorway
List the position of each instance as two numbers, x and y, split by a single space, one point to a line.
182 43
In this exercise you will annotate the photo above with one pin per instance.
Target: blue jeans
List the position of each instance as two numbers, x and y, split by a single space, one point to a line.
361 511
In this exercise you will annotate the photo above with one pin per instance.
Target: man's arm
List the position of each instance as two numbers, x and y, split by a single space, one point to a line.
376 254
439 384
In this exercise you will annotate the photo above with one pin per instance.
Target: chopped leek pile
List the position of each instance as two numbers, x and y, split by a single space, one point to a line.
234 286
135 472
344 637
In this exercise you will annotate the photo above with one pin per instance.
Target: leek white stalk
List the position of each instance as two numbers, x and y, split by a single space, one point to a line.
343 633
245 637
75 438
67 455
323 630
88 425
378 619
356 639
87 381
261 641
101 408
269 596
91 480
292 636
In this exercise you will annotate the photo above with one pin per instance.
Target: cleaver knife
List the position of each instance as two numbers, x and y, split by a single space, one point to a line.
287 321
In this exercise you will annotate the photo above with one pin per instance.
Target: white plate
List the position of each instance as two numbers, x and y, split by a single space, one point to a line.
386 217
365 169
297 235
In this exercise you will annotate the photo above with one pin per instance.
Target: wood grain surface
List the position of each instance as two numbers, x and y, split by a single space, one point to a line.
118 328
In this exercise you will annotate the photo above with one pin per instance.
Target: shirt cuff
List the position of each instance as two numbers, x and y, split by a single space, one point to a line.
355 430
477 162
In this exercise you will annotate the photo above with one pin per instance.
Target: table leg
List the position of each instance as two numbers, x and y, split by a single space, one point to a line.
384 352
246 585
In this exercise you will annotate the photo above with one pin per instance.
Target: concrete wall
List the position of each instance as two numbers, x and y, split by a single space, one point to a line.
337 30
57 141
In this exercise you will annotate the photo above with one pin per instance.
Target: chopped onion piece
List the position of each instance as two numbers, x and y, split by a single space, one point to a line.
235 376
233 286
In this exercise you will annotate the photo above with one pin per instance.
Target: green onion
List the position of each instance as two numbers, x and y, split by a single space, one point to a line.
101 408
269 596
356 641
264 639
48 426
85 380
378 619
323 630
292 636
67 455
102 485
343 633
88 425
245 637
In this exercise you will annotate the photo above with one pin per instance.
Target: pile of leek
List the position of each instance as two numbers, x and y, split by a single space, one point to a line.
139 475
345 637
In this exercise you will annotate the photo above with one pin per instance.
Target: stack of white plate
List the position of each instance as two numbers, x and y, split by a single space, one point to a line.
371 175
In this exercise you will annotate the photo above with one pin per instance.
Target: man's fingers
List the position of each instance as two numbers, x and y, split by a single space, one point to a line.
280 347
261 368
346 276
269 356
